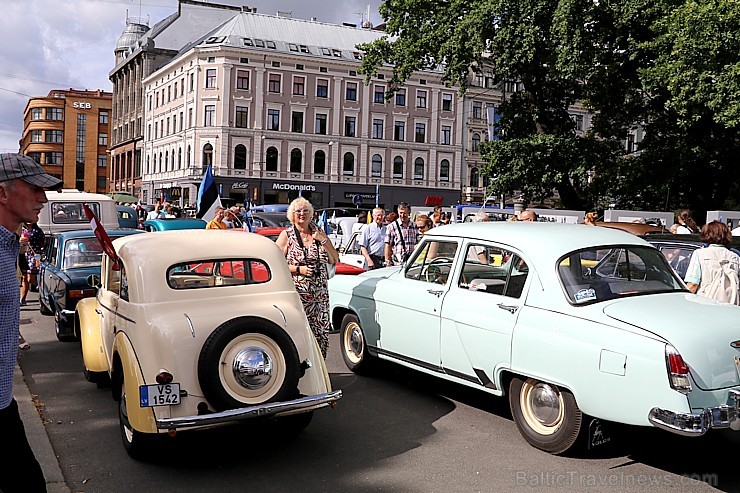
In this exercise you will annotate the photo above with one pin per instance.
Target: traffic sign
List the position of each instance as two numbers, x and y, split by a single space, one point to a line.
357 200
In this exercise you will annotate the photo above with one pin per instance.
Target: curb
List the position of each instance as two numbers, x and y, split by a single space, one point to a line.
37 436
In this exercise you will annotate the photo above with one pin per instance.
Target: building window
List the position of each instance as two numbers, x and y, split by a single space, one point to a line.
398 167
446 136
242 117
421 99
320 124
274 83
207 156
421 131
446 102
296 158
351 93
379 95
299 86
271 159
296 121
319 163
192 82
190 117
182 121
476 142
36 136
444 170
322 88
54 158
299 66
419 169
349 126
210 78
168 126
102 160
477 110
399 131
36 156
242 80
54 114
349 164
377 128
101 182
376 169
175 91
240 157
169 93
55 136
578 120
273 119
37 114
187 157
474 178
209 117
401 97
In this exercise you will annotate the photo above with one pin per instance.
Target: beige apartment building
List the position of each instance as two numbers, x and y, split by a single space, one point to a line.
67 132
277 107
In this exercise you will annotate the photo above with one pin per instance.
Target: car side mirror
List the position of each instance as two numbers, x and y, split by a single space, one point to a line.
93 280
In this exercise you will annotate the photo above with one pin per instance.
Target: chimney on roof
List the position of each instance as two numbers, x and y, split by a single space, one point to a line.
349 24
285 13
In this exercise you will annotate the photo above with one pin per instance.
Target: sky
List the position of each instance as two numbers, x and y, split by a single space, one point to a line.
62 44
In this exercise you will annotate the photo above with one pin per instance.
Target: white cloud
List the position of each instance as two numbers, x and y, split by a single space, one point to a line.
52 44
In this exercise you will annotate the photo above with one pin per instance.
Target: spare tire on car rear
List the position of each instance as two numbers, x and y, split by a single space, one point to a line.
248 361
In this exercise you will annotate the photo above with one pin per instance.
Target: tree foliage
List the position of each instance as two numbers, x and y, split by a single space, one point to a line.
669 65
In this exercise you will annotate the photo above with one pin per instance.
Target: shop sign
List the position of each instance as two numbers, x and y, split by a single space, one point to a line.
81 105
240 185
351 195
293 186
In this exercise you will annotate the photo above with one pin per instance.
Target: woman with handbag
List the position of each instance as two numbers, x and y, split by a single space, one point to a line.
310 255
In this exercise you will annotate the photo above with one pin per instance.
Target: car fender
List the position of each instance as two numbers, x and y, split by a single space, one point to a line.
141 418
88 328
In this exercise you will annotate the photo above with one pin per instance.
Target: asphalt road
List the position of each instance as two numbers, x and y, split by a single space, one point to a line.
396 431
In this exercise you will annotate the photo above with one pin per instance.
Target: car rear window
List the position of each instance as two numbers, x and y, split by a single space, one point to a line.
217 273
599 274
72 212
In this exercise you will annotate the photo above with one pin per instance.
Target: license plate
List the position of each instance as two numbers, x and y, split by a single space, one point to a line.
159 395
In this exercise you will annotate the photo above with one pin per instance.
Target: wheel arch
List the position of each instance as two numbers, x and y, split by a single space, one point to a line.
87 328
126 369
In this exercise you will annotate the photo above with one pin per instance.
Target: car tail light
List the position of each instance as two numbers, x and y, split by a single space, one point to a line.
164 377
81 293
678 370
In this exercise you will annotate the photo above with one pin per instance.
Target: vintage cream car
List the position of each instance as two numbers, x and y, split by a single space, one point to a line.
198 328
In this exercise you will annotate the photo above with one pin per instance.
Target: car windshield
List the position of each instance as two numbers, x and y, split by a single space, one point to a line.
600 274
82 252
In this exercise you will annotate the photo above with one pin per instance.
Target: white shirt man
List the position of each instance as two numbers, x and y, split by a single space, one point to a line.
372 240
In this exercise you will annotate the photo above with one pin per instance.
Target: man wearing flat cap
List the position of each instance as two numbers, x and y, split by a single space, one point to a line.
23 185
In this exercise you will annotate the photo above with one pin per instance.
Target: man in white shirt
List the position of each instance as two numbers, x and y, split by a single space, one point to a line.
372 240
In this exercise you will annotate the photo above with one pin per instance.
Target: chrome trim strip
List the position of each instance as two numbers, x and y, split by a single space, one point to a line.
190 323
285 320
67 312
243 413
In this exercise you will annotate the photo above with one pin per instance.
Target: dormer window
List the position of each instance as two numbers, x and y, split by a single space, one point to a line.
292 47
259 43
248 42
270 44
304 49
325 51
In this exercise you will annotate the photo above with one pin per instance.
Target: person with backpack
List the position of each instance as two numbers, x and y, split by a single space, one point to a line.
713 271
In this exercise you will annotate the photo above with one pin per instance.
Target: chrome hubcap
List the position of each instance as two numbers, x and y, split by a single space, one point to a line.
545 404
252 368
356 342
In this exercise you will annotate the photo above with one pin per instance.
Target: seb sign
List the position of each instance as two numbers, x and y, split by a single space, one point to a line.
81 105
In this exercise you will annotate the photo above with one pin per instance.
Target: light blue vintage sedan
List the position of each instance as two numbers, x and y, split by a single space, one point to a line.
575 323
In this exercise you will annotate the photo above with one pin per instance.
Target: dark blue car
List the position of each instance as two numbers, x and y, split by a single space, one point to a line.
70 258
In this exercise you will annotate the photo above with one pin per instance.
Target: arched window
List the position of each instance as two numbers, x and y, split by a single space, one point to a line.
147 165
418 169
486 181
166 161
319 163
240 157
172 160
207 156
474 177
161 163
349 164
398 167
296 158
154 169
476 141
179 158
271 159
377 166
444 170
187 158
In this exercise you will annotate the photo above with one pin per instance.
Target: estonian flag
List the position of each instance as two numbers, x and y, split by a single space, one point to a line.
208 198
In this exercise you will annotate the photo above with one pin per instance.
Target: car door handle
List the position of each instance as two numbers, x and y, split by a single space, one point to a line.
97 310
435 292
509 308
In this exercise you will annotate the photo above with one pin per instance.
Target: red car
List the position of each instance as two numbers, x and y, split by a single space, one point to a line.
342 268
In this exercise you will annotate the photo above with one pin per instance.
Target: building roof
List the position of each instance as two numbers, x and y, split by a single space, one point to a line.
286 34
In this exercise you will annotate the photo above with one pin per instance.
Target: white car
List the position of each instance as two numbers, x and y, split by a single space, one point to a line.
198 328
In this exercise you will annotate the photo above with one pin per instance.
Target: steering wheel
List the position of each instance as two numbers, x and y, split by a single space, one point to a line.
433 272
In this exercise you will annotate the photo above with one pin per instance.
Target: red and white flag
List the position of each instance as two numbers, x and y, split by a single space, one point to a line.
102 236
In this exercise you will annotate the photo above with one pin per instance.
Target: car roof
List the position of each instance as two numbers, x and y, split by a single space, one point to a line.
87 233
634 228
542 242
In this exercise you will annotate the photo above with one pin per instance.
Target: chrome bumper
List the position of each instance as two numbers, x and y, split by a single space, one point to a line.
269 409
688 424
